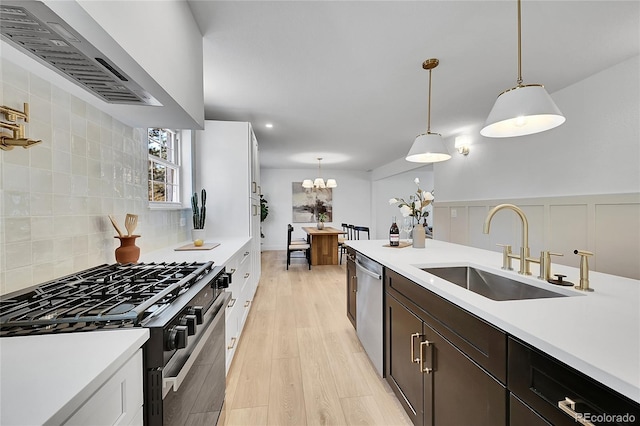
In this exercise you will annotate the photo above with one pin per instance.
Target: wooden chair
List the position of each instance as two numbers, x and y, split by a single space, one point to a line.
358 229
297 247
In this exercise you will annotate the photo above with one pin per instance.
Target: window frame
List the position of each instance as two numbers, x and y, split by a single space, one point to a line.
175 166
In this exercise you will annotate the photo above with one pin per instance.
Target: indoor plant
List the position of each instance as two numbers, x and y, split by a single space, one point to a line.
264 212
322 217
199 215
416 208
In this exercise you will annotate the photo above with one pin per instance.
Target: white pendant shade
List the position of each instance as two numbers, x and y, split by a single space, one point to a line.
522 110
307 183
331 183
428 148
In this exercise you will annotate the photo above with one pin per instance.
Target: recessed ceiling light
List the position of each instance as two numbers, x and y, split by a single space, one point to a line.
268 125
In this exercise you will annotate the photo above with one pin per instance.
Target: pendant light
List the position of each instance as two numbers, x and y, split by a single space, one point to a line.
428 147
319 182
524 109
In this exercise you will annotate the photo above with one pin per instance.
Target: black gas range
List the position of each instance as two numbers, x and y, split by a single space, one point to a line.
182 305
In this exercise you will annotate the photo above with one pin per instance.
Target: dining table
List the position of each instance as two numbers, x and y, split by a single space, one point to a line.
324 244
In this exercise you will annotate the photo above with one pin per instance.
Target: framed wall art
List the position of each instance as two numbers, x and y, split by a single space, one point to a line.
308 203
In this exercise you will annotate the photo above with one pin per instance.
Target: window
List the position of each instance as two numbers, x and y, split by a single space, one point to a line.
164 166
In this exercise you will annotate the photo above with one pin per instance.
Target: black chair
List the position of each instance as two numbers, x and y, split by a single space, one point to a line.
348 229
298 247
358 229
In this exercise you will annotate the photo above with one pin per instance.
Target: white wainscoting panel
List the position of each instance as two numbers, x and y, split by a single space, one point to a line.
617 236
606 224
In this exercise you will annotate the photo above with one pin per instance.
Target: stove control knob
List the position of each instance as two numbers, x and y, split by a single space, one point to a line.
190 322
177 337
198 312
222 281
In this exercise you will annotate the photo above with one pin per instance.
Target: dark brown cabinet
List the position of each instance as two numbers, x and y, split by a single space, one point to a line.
544 384
352 284
433 378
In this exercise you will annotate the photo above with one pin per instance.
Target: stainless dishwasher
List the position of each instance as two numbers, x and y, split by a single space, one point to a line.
369 290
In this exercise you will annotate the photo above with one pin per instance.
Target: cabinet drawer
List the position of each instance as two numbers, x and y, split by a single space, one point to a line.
521 414
542 381
479 340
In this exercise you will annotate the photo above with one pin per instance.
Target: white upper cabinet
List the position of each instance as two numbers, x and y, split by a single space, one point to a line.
227 166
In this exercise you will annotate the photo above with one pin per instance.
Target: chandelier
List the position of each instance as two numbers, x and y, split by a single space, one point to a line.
319 182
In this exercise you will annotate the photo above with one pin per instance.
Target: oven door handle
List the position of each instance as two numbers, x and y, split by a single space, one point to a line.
175 381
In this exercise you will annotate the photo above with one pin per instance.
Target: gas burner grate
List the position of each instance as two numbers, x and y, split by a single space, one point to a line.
98 297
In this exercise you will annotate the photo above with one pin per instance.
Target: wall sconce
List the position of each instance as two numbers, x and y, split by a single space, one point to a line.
11 115
462 144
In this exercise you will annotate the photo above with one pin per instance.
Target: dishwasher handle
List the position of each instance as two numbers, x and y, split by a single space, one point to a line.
361 268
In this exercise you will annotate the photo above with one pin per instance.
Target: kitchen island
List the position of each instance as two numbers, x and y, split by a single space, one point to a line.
595 333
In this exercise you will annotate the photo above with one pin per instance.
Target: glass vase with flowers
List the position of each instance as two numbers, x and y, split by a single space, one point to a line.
416 208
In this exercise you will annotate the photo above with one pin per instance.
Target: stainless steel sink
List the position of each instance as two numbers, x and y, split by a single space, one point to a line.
490 285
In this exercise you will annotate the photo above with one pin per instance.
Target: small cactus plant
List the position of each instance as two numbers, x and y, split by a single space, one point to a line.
199 213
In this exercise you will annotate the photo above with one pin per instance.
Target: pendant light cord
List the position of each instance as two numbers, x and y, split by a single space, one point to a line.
519 45
429 106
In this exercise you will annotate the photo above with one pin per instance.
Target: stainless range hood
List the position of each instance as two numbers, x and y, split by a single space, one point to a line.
143 66
36 30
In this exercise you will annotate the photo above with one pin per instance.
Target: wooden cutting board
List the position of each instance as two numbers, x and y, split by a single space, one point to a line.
205 246
402 244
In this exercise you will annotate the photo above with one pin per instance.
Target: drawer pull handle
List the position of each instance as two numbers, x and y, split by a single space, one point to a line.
246 275
247 303
422 367
232 302
414 359
233 343
233 271
569 407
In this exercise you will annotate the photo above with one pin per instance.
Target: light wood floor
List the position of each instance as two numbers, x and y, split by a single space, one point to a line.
299 361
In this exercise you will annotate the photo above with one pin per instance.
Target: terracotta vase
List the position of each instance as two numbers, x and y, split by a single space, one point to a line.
418 236
128 252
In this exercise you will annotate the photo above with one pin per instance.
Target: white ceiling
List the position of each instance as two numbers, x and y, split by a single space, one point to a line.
343 80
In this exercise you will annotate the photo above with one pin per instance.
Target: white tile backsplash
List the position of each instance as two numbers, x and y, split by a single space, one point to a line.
55 197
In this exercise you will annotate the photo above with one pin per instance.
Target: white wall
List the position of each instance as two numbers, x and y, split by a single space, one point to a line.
596 151
351 201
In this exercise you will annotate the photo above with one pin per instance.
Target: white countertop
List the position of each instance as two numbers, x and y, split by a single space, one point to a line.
220 255
597 333
45 379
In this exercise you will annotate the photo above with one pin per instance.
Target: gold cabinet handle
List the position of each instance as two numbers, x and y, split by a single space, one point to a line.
231 303
413 351
422 367
233 271
569 407
254 187
247 303
233 343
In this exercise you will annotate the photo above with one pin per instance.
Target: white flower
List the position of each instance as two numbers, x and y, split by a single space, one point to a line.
416 181
416 205
393 201
405 210
428 196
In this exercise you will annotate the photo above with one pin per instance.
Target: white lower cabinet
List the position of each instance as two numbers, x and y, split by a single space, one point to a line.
243 285
118 401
